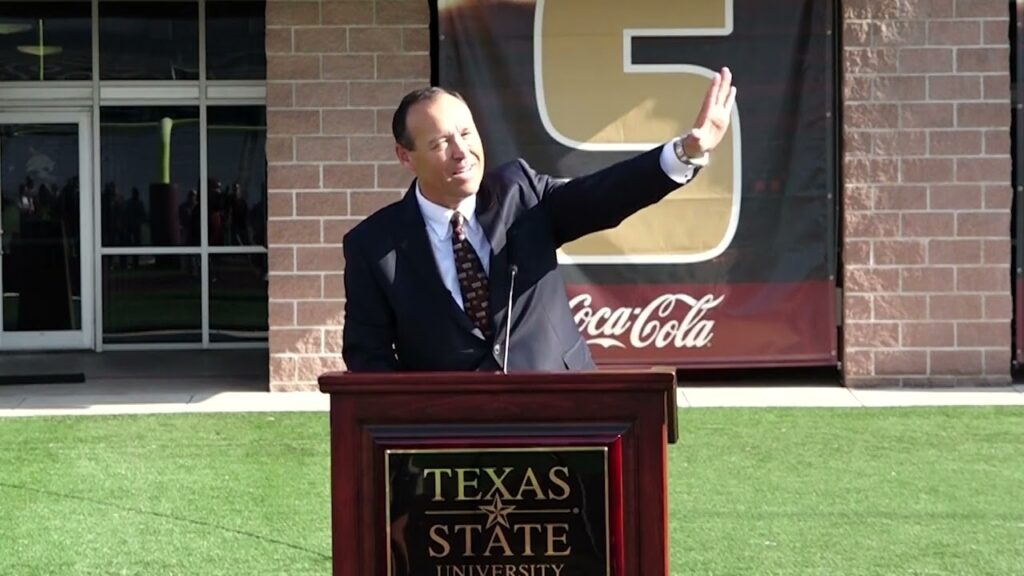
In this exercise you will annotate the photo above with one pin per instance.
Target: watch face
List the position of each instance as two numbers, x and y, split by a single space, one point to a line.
678 146
699 161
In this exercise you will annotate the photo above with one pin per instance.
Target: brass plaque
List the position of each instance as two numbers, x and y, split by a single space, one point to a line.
537 511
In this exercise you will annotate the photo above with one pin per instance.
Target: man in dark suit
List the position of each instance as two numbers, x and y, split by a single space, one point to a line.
428 278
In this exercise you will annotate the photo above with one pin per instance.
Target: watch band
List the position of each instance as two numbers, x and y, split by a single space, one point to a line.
700 161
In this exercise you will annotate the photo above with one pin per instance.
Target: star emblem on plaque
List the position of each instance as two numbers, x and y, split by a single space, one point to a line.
497 513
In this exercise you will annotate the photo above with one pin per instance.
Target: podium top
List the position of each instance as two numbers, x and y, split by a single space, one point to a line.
403 388
433 382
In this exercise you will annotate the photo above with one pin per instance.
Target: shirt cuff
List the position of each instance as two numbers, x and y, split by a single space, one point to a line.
679 171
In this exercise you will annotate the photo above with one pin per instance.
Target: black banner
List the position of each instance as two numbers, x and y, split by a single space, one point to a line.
737 268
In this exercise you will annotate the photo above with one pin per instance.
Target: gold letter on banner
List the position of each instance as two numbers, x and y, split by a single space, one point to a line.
592 97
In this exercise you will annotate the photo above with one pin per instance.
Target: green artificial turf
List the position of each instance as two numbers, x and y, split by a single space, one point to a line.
851 492
923 491
177 494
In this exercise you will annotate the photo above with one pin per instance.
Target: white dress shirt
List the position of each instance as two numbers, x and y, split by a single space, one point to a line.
439 228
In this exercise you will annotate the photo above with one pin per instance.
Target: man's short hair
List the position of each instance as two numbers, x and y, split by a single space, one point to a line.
398 122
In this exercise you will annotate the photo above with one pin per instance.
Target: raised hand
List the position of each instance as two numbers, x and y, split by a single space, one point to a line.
713 119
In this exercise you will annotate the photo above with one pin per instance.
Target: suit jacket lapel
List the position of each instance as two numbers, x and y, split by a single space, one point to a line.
415 245
488 213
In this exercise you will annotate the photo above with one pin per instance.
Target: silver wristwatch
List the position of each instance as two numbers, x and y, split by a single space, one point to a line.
700 161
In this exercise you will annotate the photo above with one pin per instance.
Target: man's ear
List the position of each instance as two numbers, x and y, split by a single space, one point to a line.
403 156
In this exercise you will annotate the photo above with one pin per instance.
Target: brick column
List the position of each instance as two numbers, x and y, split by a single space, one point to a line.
927 192
335 73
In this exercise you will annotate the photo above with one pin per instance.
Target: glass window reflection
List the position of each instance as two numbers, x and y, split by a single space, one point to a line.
149 41
238 297
151 298
45 41
237 168
236 40
150 176
39 215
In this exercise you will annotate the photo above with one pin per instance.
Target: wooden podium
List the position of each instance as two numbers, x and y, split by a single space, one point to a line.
480 474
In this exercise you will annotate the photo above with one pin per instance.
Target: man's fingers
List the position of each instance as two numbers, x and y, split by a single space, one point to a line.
711 99
724 86
731 100
720 97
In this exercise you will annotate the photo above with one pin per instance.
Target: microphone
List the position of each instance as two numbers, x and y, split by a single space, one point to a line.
513 270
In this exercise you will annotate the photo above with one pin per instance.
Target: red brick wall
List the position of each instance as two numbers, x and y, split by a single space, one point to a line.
927 192
335 72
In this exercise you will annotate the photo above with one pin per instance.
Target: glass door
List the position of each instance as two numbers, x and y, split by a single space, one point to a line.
45 231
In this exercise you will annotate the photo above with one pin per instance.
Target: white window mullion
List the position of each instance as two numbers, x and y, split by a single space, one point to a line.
203 175
97 230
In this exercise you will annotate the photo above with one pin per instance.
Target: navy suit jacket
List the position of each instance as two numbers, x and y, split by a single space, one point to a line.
400 316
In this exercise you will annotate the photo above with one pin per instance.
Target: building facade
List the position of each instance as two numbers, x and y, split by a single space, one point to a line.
926 178
148 221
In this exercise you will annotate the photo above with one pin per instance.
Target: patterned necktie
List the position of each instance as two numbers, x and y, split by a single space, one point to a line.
472 278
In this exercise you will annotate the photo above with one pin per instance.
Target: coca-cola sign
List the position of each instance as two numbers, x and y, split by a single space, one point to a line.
703 325
669 320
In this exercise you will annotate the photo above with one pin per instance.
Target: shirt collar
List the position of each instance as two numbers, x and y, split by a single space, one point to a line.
439 218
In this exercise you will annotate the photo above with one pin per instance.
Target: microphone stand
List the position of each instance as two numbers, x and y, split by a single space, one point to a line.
508 317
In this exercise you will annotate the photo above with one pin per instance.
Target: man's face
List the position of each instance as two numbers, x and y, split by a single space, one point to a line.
448 157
